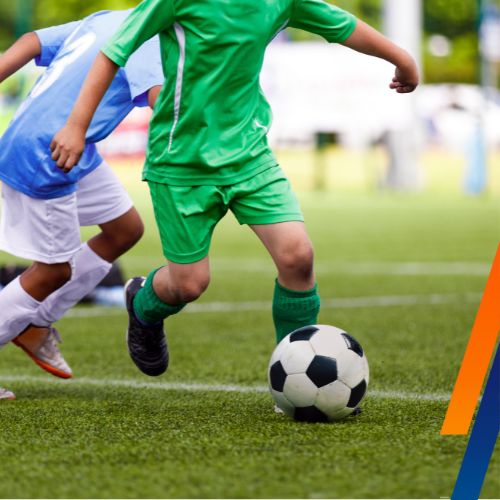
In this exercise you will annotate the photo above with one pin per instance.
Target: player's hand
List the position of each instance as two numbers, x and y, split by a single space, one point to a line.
67 147
406 78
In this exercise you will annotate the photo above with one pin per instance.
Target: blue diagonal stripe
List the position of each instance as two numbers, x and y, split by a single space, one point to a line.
482 440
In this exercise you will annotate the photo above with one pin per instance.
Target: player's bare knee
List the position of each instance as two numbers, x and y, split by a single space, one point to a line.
138 232
297 261
57 275
190 290
135 231
132 236
64 273
121 235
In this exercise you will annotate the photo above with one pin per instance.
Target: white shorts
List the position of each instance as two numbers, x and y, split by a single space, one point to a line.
49 230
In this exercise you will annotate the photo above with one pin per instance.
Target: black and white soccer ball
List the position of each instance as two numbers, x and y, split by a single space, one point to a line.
318 373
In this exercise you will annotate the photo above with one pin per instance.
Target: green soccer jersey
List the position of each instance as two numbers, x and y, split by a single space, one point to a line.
211 118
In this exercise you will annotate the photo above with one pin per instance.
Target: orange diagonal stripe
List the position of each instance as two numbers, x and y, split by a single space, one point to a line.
477 357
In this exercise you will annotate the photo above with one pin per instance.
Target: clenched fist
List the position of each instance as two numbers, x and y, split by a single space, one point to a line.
67 147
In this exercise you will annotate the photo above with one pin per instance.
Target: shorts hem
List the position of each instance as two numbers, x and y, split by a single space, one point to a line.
38 257
109 215
267 220
186 258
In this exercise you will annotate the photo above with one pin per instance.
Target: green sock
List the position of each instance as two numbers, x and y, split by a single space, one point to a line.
149 308
292 310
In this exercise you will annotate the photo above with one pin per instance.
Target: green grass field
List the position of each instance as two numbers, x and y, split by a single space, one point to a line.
403 274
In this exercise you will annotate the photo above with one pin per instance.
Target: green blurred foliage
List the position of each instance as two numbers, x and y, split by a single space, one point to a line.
451 18
368 10
6 23
455 19
51 12
460 66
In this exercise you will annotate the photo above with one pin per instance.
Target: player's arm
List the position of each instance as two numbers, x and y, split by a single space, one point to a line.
153 94
369 41
338 26
18 55
69 143
145 21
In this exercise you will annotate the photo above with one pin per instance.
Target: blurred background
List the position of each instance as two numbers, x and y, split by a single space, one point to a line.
332 108
336 124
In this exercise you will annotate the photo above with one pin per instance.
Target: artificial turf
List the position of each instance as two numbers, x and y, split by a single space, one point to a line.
105 435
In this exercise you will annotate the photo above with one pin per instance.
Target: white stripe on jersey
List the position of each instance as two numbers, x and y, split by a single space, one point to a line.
181 39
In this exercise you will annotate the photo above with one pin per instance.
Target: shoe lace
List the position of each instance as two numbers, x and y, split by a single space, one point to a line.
55 336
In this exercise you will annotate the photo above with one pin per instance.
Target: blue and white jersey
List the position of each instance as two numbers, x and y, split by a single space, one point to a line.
68 52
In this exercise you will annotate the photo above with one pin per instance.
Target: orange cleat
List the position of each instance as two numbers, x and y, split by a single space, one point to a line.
5 394
40 344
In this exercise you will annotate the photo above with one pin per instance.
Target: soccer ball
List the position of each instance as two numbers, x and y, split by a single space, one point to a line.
318 373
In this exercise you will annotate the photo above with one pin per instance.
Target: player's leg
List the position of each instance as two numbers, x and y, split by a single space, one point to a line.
296 301
267 204
117 236
102 201
186 217
45 231
291 250
40 338
20 299
111 209
41 279
171 287
150 301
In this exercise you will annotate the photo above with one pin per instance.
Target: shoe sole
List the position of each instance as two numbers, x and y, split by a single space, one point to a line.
10 398
127 284
43 365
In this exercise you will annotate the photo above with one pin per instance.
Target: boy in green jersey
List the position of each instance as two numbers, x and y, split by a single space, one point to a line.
208 151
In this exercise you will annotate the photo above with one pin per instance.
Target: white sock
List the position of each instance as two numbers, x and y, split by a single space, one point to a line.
17 310
88 271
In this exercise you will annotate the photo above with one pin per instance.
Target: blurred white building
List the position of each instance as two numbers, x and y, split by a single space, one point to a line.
316 87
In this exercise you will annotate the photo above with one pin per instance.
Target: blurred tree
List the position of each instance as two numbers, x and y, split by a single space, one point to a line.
368 10
457 21
52 12
451 18
459 66
6 23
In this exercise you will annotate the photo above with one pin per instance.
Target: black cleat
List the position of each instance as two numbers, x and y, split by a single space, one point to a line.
146 344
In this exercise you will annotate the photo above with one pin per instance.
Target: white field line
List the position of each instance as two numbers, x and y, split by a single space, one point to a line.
349 268
198 387
340 303
410 268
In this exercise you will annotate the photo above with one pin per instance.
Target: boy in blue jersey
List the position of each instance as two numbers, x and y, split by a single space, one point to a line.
42 207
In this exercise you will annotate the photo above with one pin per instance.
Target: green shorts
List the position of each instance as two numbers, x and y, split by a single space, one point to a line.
186 216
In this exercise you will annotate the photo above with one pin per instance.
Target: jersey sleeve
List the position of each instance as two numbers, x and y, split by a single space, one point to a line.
316 16
147 20
51 40
144 71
